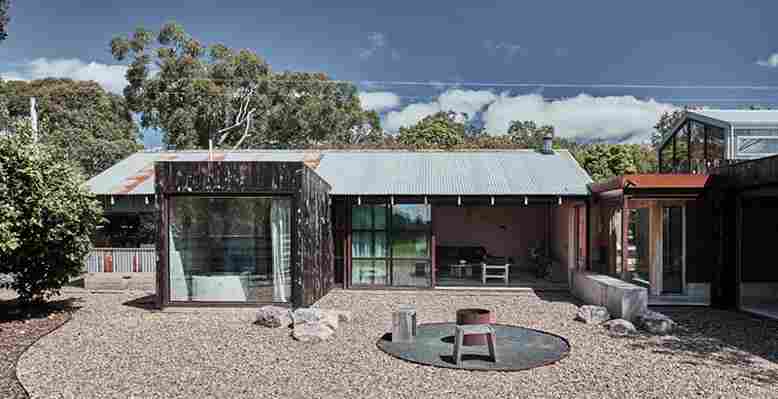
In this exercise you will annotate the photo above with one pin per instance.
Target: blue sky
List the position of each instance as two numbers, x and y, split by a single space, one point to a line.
660 42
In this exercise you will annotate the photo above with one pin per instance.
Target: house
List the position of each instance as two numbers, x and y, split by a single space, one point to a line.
283 226
700 231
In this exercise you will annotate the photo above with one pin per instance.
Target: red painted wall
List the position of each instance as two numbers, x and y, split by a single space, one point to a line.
481 226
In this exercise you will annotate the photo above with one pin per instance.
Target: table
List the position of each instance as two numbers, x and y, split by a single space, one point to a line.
461 270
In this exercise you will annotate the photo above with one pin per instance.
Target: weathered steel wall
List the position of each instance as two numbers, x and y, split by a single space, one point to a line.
314 249
226 177
312 258
758 172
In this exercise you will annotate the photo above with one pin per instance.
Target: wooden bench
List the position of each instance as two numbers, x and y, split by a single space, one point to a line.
473 329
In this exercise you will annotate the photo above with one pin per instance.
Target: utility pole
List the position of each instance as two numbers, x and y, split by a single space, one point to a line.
33 120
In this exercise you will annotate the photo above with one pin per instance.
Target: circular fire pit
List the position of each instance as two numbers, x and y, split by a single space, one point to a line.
475 316
517 348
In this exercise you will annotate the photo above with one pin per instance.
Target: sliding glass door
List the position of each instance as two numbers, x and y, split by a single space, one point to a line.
229 249
390 245
369 251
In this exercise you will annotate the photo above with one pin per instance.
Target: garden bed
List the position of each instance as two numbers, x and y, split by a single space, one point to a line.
20 327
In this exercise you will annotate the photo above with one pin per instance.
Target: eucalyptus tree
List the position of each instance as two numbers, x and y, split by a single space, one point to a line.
198 94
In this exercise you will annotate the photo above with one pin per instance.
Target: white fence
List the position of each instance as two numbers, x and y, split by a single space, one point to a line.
122 260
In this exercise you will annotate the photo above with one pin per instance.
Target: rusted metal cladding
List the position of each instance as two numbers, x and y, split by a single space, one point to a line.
314 239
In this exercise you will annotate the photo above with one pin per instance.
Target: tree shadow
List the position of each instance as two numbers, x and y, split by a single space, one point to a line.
147 302
719 337
14 310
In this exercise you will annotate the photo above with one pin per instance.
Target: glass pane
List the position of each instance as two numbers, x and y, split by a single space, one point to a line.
672 250
410 273
411 216
682 150
667 165
221 249
756 141
715 145
409 245
379 217
380 250
362 217
697 149
638 260
361 244
368 272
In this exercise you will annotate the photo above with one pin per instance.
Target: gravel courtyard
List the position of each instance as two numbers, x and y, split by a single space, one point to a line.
113 347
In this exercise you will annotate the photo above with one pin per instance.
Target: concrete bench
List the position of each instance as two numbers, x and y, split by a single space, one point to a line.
474 329
622 299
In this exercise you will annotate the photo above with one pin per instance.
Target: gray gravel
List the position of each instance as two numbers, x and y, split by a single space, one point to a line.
112 350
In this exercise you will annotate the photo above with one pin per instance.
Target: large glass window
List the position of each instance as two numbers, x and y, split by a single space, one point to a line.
715 150
682 161
752 143
410 245
638 261
672 248
696 147
233 249
369 245
668 161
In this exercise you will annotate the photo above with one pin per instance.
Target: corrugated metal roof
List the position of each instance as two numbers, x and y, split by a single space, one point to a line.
453 173
498 172
741 117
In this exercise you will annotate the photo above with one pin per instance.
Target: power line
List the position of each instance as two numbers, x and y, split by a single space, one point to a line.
438 84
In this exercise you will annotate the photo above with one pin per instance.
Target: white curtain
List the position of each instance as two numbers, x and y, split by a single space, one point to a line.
280 218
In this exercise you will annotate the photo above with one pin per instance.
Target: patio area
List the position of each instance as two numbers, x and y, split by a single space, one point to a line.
114 347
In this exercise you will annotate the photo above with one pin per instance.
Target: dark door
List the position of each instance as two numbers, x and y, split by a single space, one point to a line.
672 248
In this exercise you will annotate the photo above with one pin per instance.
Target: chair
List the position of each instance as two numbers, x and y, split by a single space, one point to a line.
495 271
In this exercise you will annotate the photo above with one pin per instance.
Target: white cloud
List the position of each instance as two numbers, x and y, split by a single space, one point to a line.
770 62
379 101
460 101
111 77
617 118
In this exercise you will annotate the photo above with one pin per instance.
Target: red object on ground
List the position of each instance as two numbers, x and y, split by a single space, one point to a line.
135 264
108 263
475 316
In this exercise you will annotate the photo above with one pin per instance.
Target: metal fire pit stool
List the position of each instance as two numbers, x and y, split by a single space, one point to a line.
475 316
404 324
483 330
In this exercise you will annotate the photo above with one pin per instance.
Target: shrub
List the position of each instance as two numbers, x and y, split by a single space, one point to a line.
47 217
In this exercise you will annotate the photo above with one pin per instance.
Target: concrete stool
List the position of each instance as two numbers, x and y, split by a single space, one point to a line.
473 329
404 324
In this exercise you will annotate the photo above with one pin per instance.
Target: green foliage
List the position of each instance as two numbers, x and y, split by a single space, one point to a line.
665 125
441 130
526 134
47 216
231 96
603 161
4 18
79 120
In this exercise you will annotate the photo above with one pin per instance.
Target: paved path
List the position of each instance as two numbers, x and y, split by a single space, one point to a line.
114 350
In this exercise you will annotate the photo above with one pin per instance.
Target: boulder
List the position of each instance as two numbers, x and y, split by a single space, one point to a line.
620 327
305 315
273 317
655 322
313 331
591 314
